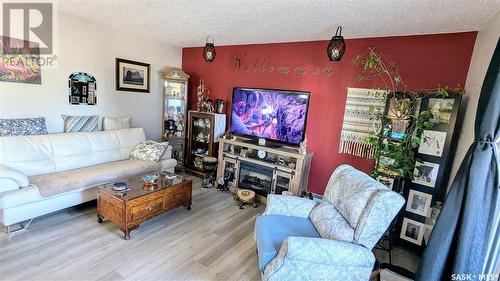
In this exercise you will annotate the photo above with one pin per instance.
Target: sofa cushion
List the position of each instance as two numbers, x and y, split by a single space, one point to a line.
331 224
55 183
80 123
23 127
272 230
149 151
109 124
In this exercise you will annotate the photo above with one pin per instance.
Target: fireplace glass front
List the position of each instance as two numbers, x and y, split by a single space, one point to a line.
256 178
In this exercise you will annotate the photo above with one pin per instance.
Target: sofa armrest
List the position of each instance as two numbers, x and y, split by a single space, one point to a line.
167 154
320 259
11 179
291 206
8 173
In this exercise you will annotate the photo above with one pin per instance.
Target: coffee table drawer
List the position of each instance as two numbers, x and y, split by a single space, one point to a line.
145 209
174 197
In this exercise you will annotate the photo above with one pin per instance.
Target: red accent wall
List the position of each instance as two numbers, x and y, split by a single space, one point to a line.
424 62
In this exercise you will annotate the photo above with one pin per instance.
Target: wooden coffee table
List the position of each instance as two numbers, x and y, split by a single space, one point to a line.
141 203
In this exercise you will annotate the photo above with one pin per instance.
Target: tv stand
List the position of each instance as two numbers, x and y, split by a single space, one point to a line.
283 171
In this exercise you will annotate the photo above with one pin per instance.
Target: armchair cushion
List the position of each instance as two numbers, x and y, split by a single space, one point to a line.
331 224
289 206
272 230
305 258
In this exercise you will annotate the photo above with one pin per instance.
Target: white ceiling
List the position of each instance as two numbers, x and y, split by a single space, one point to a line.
188 22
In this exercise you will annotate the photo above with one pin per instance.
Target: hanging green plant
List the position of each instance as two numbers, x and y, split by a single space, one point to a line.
395 146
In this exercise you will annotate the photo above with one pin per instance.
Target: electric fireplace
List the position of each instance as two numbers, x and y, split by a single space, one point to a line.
255 177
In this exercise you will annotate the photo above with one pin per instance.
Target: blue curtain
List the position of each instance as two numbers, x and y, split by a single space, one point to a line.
465 238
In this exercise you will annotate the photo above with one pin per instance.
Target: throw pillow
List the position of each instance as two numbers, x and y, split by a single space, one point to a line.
23 127
149 151
330 223
109 124
80 123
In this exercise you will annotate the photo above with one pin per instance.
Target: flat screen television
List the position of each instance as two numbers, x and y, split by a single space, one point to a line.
276 115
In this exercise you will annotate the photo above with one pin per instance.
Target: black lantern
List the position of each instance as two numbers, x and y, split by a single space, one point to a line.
336 47
209 50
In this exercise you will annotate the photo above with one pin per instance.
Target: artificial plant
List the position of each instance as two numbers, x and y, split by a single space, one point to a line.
401 115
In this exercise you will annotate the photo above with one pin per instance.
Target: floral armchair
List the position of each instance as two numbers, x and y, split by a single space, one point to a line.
301 239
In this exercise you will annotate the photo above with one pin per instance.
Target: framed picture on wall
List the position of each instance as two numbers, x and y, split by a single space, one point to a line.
132 76
425 173
387 181
432 143
419 203
412 231
441 109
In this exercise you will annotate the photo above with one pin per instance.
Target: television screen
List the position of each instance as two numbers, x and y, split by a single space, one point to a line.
272 114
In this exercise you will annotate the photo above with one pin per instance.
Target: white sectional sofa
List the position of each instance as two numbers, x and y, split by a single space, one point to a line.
45 173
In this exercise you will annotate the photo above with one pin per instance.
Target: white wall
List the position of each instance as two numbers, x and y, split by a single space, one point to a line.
486 42
86 46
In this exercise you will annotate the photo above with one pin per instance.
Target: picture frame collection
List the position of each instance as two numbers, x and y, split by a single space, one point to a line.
82 89
131 76
431 169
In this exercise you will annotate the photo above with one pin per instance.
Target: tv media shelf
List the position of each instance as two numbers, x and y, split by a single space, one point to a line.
282 169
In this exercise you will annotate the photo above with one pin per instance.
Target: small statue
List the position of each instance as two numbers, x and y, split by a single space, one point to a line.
199 94
209 105
306 194
303 146
229 135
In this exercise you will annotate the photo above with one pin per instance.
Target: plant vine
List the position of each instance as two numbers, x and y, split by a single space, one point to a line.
402 110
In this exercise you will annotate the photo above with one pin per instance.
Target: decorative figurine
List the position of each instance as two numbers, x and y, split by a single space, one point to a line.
229 135
199 93
303 146
219 106
209 105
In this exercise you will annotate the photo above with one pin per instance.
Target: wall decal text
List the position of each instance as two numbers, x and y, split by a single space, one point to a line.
264 67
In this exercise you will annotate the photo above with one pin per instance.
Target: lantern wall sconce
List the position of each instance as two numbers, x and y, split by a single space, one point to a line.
336 47
209 50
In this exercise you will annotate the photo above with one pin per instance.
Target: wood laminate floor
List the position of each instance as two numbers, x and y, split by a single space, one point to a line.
213 241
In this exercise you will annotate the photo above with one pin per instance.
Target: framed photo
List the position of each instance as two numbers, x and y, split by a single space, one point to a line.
419 203
18 62
425 173
441 110
412 231
132 76
387 181
384 165
90 99
432 143
75 99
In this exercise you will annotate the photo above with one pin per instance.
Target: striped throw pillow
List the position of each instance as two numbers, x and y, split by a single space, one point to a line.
80 123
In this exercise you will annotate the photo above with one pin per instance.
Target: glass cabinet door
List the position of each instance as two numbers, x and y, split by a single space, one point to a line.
200 141
175 108
282 182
